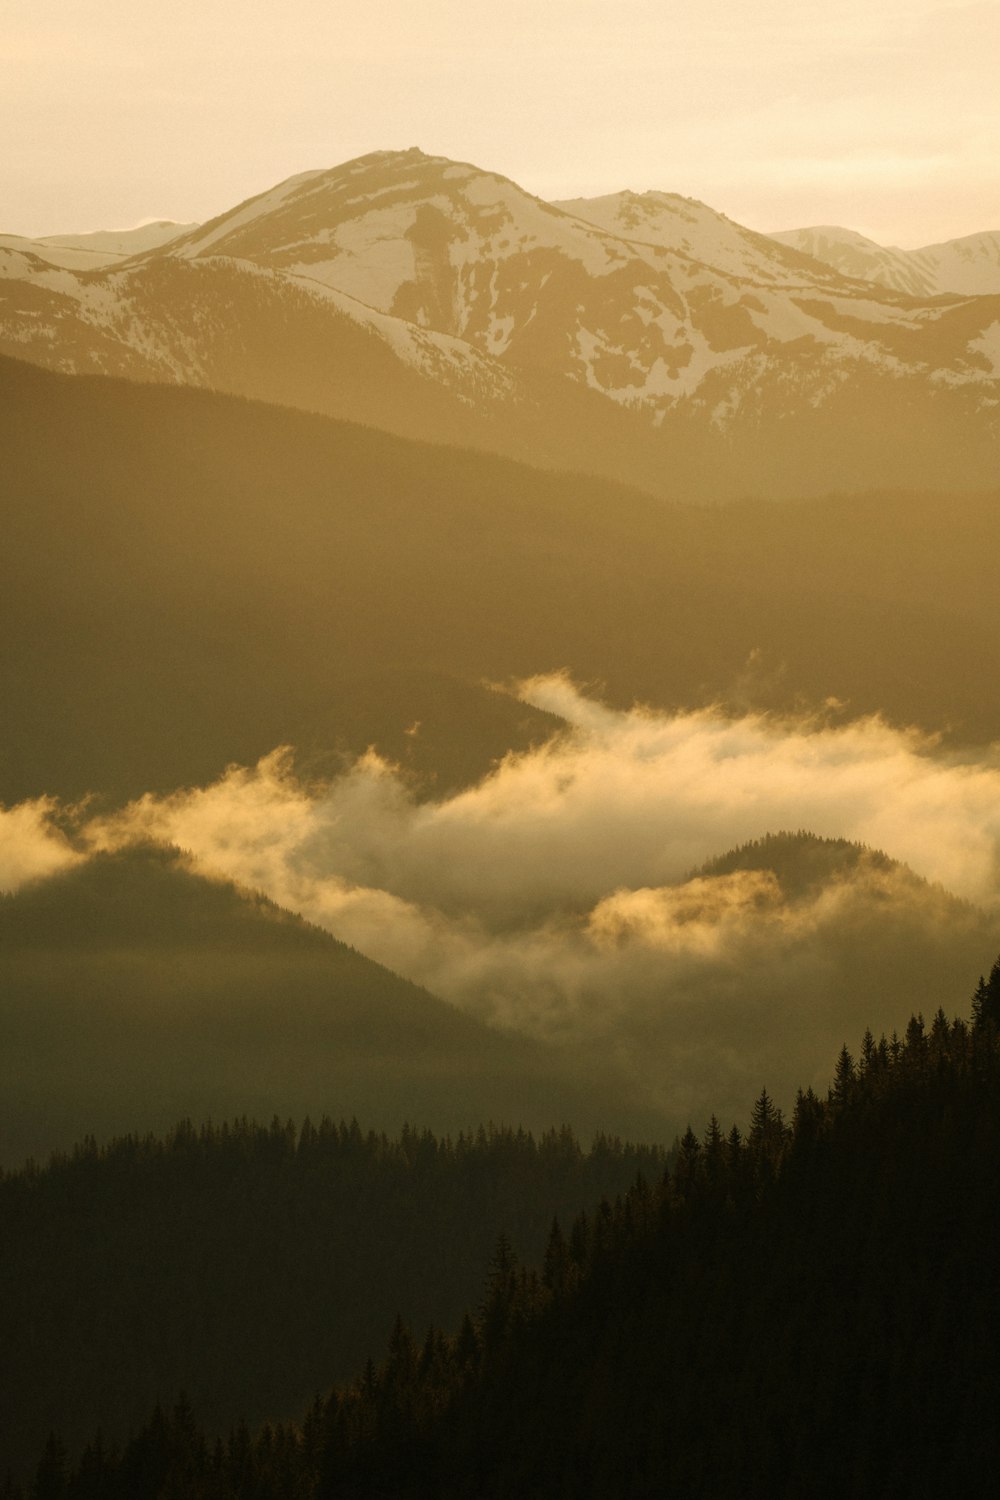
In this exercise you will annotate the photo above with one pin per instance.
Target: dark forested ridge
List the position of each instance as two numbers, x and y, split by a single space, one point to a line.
251 1265
809 1307
189 579
800 861
134 991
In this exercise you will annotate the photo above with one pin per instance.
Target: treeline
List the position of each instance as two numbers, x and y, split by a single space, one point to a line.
251 1265
809 1308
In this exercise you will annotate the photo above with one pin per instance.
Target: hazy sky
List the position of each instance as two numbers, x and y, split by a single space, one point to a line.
879 114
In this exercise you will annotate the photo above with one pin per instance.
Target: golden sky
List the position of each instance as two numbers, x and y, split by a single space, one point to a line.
881 115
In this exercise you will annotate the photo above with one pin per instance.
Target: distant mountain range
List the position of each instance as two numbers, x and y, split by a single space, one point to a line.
103 247
968 266
644 337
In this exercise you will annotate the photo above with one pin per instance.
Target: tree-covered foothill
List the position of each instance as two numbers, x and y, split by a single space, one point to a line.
134 991
809 1307
251 1264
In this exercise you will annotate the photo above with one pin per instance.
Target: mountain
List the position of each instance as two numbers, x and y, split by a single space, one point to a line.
102 247
435 299
136 992
122 241
969 266
188 580
793 942
802 864
690 228
627 303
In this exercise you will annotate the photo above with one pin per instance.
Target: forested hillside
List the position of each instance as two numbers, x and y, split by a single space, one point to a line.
809 1306
134 992
251 1264
189 580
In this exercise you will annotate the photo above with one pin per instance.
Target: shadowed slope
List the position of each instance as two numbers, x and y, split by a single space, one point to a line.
134 993
248 1265
188 580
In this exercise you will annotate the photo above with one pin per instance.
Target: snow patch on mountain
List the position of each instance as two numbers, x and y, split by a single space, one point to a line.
535 224
96 251
686 227
423 349
987 347
373 259
69 257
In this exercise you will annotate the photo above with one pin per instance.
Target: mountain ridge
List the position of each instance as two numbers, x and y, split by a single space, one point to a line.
431 297
111 685
969 265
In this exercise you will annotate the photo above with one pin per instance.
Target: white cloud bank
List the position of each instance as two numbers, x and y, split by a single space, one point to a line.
626 799
31 846
557 895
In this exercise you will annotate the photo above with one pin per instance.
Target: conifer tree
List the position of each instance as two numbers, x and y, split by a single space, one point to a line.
714 1156
556 1265
501 1290
50 1476
843 1078
986 1002
467 1346
807 1121
687 1165
915 1046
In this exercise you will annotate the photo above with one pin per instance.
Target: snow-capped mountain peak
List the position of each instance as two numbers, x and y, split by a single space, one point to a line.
689 227
966 266
434 297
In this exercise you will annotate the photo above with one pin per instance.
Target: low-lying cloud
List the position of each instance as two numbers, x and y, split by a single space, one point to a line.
31 845
560 896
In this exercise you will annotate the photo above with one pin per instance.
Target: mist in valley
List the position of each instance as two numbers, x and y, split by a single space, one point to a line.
697 904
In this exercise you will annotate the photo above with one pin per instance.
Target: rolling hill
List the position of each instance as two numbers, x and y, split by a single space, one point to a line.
189 580
136 993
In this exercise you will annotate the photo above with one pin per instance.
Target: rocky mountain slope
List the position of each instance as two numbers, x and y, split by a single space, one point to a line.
969 266
669 221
